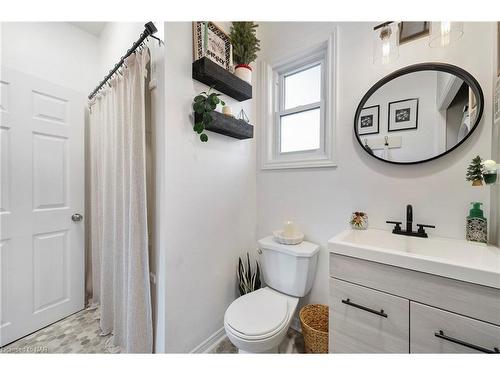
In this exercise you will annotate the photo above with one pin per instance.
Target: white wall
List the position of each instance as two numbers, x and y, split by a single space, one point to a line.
321 200
210 207
55 51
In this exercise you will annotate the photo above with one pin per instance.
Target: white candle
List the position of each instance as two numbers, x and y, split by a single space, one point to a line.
289 228
227 110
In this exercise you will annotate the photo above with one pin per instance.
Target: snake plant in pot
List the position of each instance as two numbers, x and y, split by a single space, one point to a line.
248 281
245 47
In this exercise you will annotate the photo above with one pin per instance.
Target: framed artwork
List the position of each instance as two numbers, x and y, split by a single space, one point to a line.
210 41
369 120
403 115
409 31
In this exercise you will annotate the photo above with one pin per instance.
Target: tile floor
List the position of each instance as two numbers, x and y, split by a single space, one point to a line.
78 333
293 343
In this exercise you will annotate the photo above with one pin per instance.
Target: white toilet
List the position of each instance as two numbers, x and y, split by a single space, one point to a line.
257 322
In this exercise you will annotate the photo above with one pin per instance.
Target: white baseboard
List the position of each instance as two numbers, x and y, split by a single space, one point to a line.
209 344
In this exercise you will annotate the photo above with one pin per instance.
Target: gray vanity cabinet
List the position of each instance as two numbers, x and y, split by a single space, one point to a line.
385 329
378 308
437 331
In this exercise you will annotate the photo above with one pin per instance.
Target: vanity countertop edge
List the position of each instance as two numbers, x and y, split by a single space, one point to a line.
474 270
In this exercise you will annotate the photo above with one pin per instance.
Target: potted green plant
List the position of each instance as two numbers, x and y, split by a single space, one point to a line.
203 105
248 281
245 47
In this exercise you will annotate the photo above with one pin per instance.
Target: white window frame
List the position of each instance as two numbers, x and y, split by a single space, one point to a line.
272 108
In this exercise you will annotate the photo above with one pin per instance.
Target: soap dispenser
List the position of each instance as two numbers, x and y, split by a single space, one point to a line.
477 225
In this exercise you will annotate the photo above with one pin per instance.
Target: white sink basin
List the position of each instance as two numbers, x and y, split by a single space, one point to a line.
457 259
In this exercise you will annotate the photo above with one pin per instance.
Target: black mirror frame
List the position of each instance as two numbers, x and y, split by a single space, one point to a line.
447 68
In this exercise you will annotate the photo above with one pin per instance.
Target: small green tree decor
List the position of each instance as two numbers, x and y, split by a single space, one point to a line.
245 43
245 47
204 104
475 172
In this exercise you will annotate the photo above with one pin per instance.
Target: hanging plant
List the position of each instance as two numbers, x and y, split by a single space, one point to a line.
248 281
204 104
475 172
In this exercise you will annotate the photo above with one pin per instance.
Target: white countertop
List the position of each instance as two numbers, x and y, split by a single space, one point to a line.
457 259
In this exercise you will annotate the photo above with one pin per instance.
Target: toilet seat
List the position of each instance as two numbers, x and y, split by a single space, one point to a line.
258 315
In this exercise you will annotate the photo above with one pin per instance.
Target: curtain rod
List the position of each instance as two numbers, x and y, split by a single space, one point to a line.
149 30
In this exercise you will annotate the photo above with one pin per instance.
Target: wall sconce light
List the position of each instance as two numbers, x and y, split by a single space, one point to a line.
385 43
445 33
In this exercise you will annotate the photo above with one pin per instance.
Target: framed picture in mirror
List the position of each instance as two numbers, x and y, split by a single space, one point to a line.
369 120
403 115
409 31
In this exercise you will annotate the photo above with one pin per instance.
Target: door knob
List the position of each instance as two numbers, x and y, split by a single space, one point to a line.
76 217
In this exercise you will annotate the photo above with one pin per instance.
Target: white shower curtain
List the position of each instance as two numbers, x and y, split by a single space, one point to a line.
120 266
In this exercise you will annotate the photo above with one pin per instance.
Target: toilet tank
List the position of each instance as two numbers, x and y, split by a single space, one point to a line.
289 269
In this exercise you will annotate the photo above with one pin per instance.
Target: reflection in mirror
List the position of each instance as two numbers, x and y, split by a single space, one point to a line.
419 115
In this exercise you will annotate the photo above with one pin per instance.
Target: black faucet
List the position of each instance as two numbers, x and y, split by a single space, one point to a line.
409 225
409 218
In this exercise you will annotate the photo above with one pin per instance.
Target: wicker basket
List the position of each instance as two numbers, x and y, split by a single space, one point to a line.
314 322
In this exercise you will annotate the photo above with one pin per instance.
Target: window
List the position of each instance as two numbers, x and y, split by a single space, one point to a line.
300 110
297 108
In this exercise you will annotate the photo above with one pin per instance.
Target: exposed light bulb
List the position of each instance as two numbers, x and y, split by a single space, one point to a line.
385 36
445 33
386 51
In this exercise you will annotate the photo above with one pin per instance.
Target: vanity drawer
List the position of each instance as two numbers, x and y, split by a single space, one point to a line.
475 301
358 324
437 331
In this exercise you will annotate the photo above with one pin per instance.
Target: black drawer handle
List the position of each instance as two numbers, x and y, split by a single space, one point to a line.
348 302
441 335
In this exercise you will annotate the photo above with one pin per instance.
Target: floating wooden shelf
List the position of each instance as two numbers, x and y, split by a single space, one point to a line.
227 125
211 74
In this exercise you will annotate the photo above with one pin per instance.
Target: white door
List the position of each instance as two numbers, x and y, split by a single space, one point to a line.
42 186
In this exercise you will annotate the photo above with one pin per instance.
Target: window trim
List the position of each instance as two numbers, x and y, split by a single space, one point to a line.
272 108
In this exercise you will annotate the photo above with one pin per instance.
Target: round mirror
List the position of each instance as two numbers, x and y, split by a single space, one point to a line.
418 113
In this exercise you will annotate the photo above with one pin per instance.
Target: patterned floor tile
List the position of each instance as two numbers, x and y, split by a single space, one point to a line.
78 333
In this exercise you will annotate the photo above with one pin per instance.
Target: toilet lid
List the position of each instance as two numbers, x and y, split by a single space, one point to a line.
257 313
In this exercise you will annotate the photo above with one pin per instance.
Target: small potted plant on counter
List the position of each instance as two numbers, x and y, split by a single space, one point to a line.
245 47
359 220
